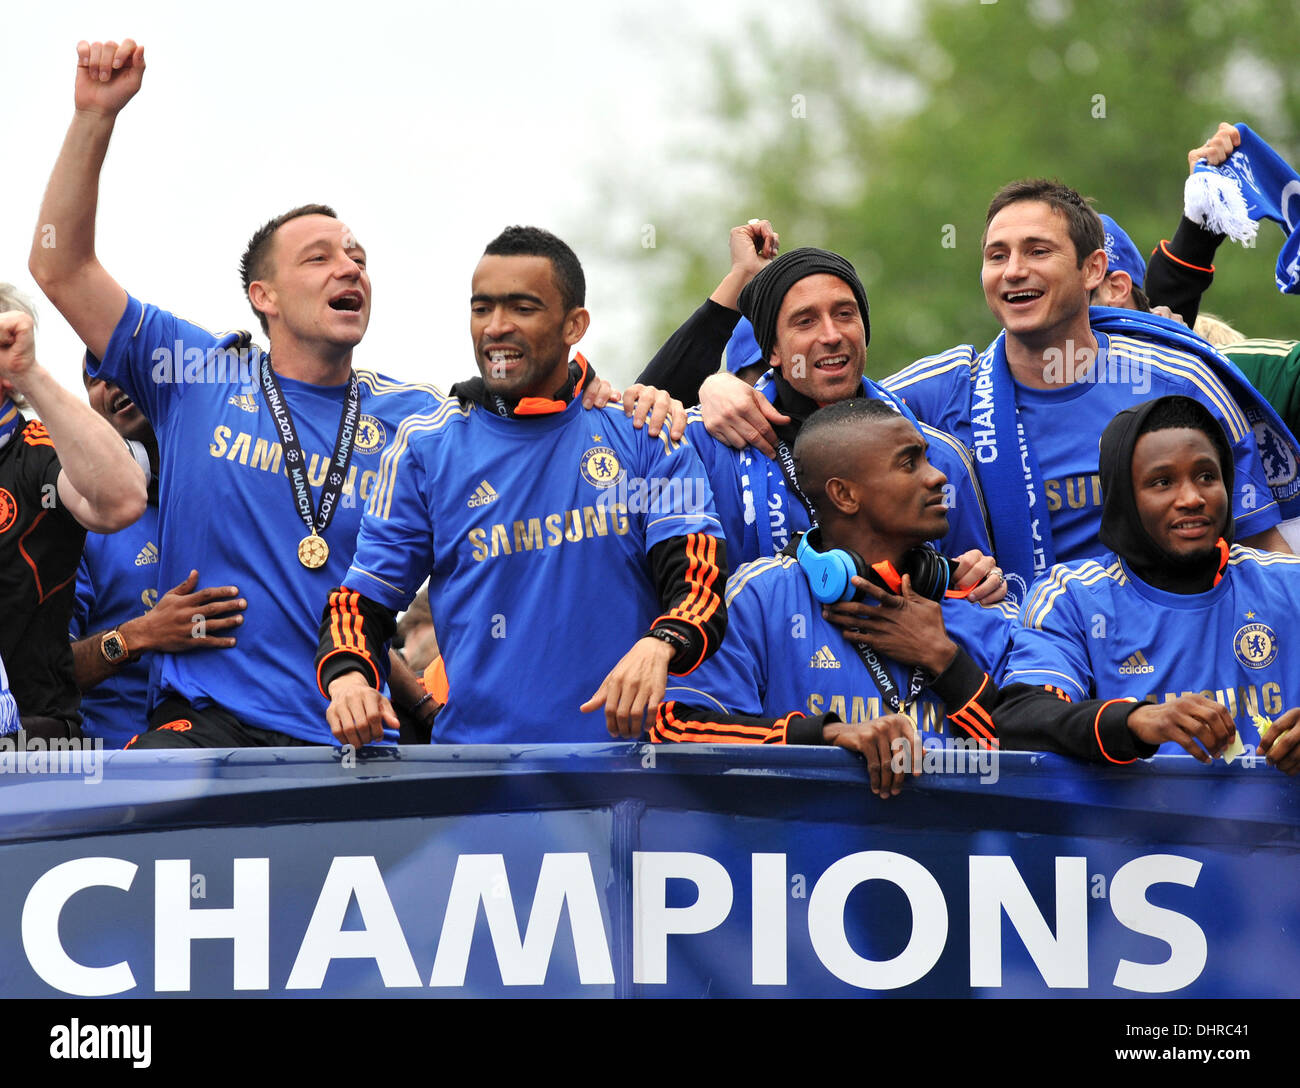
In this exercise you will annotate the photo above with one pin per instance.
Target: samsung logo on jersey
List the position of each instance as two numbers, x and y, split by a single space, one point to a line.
1055 933
535 534
267 455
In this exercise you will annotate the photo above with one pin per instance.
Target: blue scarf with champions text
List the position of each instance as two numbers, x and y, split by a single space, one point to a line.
1253 183
765 483
1008 470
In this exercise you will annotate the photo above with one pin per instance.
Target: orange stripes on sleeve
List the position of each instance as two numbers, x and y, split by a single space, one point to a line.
347 634
669 728
702 574
35 434
976 720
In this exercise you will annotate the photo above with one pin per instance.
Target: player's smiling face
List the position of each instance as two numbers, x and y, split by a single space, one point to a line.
1032 280
1179 491
116 407
522 333
319 285
821 342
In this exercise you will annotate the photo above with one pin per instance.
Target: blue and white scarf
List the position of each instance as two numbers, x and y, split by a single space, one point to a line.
765 493
1279 452
10 420
9 720
1253 183
1008 472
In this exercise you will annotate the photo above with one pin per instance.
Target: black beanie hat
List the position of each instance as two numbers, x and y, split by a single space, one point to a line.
761 299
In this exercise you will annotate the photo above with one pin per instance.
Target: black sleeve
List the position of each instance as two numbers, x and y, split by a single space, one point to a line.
1034 719
692 353
690 573
354 631
1181 270
677 722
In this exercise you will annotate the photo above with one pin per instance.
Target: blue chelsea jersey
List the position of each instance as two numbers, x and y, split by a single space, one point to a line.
535 534
760 514
117 581
1064 425
1094 630
226 508
781 655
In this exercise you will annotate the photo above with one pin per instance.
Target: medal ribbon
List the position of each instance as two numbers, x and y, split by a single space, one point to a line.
885 682
296 463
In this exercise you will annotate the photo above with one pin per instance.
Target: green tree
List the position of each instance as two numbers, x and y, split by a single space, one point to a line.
885 141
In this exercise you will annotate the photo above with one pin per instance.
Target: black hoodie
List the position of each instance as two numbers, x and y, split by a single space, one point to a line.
1121 525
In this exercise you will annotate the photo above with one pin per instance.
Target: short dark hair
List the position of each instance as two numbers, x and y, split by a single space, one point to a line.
1178 412
252 265
535 242
815 437
1084 224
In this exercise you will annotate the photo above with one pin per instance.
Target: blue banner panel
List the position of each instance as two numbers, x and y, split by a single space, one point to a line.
622 870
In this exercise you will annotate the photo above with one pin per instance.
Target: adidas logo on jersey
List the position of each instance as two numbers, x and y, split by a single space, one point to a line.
148 554
483 494
248 402
823 659
1136 666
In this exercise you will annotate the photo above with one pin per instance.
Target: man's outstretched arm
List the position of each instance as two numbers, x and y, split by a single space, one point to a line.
63 259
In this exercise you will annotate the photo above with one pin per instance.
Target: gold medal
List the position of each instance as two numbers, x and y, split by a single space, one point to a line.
313 551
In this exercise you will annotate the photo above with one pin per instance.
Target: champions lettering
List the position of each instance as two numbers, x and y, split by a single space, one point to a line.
266 454
534 534
985 437
1055 933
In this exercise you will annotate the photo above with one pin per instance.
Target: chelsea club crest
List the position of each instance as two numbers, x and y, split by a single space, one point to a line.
370 434
601 468
1255 645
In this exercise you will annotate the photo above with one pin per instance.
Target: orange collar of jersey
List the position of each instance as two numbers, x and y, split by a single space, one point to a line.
545 406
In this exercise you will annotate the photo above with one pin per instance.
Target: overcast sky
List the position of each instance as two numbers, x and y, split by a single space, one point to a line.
429 127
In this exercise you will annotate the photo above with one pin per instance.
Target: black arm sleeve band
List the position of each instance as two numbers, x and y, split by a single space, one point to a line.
705 725
353 633
690 573
1033 719
1181 270
692 353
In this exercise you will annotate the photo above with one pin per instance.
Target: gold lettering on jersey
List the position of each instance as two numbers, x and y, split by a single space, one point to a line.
240 449
1077 491
265 454
1243 703
537 534
925 716
528 535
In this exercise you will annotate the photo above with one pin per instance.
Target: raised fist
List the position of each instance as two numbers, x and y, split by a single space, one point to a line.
108 75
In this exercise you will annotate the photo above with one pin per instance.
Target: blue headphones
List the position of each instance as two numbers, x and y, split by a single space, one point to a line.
830 572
